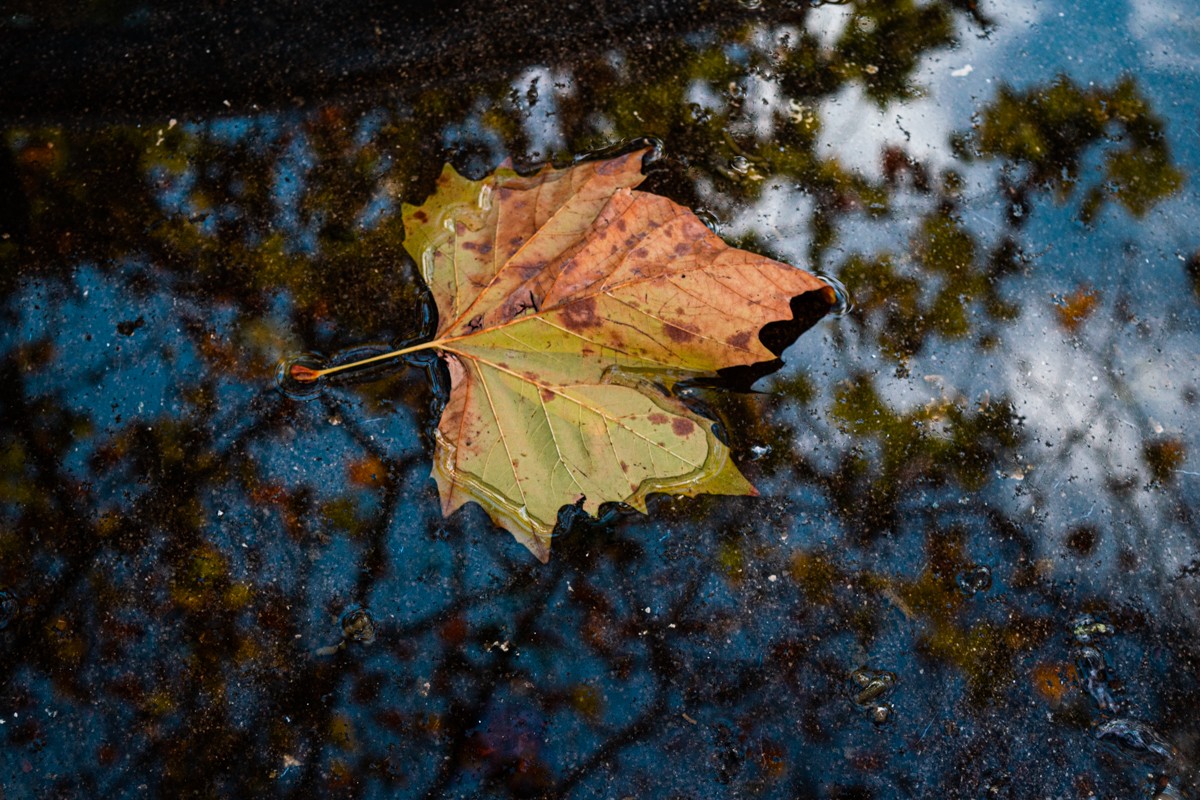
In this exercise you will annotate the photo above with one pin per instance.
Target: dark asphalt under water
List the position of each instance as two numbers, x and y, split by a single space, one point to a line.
972 572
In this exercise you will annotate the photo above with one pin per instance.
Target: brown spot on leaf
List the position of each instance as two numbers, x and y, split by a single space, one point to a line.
658 418
624 467
420 216
547 395
682 249
683 426
678 334
581 314
622 225
739 340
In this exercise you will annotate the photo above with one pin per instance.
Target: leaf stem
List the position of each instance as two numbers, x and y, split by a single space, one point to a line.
307 375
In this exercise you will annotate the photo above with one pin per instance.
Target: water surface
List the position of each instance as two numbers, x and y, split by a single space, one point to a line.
973 568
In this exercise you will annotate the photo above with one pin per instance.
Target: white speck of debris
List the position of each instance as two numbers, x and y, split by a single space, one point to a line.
172 123
772 578
962 72
227 104
220 513
647 609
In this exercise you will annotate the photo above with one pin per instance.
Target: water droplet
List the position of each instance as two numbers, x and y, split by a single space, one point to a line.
709 219
357 625
288 382
657 151
1137 739
842 304
740 165
973 580
8 608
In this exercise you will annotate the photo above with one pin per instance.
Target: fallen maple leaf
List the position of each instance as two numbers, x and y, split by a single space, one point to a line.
568 306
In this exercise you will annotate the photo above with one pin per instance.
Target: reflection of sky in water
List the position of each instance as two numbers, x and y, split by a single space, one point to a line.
1120 380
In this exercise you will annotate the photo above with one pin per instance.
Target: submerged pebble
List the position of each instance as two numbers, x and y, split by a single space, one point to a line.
880 713
1086 629
358 625
872 684
1137 739
1093 675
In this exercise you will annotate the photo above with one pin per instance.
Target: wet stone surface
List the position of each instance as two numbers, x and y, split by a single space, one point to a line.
973 567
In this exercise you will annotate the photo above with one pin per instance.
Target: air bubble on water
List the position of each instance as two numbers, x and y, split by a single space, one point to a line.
357 625
297 389
740 165
973 580
842 304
